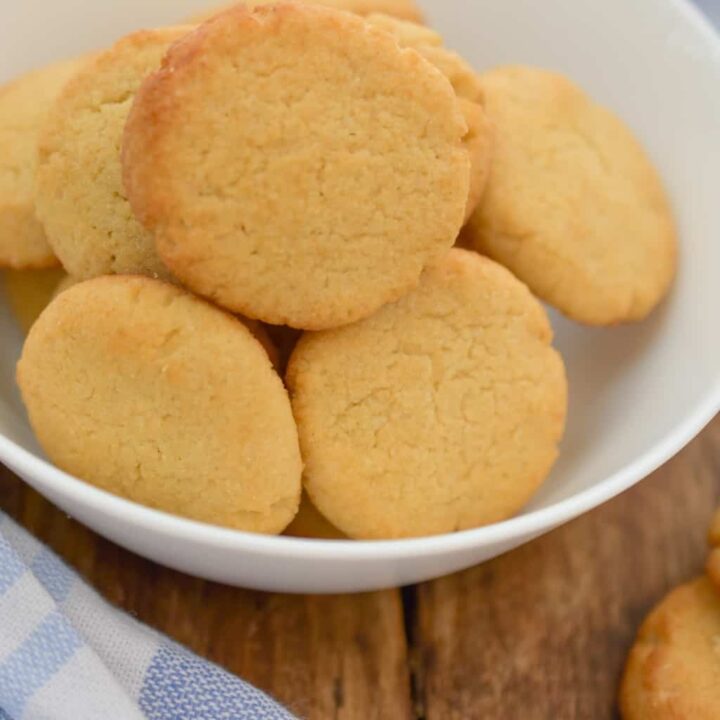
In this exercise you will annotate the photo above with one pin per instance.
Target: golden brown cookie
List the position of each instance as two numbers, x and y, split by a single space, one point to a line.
65 283
478 140
297 166
309 523
673 672
713 563
431 46
405 9
80 197
258 330
479 144
29 291
261 334
442 412
150 393
573 206
24 104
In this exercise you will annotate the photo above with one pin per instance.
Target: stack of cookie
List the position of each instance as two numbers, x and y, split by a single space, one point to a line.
673 672
275 194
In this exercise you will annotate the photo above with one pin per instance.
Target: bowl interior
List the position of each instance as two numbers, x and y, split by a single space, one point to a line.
658 66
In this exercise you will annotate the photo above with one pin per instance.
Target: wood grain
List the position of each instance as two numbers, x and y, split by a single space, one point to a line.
324 657
543 632
539 634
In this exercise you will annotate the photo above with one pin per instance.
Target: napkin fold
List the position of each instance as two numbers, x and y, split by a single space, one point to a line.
67 654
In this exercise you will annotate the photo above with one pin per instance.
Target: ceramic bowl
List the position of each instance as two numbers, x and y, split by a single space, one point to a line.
638 393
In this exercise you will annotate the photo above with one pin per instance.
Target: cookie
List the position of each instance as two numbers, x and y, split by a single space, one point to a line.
24 104
442 412
29 291
431 46
297 166
309 523
573 206
80 197
406 9
713 563
258 330
478 140
65 283
479 144
673 672
173 404
261 334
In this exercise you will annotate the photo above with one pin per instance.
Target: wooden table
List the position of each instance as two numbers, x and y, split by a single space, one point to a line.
540 634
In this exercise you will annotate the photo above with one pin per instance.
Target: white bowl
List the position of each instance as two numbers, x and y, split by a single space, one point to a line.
638 394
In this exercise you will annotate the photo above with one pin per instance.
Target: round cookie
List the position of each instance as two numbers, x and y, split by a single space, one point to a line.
297 166
573 206
79 196
24 104
310 524
172 403
673 672
405 9
29 291
478 140
442 412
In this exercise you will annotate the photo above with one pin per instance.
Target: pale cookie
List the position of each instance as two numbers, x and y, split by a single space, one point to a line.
478 140
261 334
80 197
29 291
24 104
430 45
150 393
573 206
673 672
442 412
296 165
309 523
479 143
258 330
405 9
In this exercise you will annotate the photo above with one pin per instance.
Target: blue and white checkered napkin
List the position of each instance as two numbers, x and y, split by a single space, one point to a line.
66 654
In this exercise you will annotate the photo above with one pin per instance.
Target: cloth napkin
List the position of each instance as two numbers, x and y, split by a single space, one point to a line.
66 654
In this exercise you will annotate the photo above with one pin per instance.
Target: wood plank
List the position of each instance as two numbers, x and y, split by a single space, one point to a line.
540 633
543 632
325 657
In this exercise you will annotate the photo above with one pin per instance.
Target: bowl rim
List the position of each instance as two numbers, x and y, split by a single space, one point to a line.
525 525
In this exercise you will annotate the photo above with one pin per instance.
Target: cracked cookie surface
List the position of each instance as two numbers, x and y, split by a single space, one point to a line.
573 205
80 197
442 412
296 165
150 393
24 104
673 672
